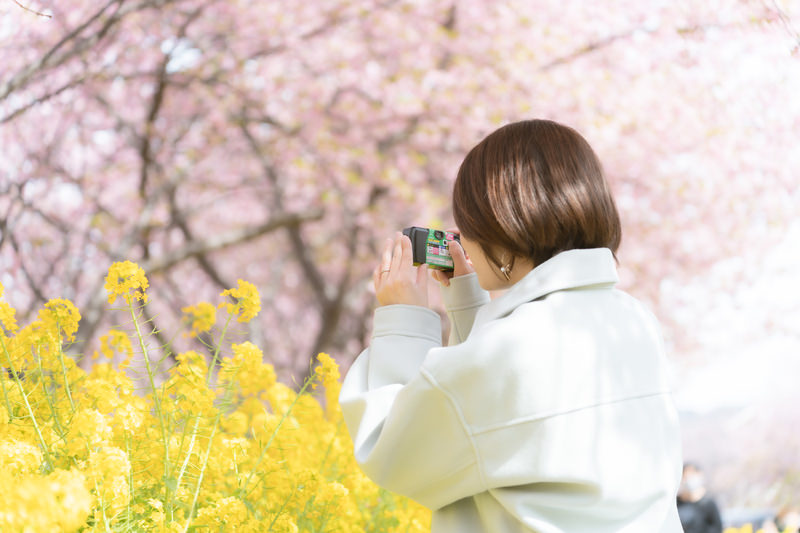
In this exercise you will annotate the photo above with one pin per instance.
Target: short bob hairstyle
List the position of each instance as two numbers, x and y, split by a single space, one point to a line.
534 189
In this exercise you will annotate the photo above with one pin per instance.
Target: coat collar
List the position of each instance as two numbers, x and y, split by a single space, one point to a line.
568 270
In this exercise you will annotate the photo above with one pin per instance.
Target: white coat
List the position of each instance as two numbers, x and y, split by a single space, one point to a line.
548 412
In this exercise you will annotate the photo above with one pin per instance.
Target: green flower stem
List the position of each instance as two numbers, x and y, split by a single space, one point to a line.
64 368
102 507
243 489
130 474
156 404
215 358
45 449
225 400
188 453
200 477
5 395
61 432
309 504
280 511
339 425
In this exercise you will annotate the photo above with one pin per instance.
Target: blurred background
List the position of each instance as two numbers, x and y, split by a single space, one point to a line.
281 142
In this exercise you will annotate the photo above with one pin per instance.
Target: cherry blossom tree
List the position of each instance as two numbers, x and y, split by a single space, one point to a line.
281 142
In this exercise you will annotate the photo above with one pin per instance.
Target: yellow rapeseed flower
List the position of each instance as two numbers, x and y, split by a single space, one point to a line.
119 340
284 524
124 277
227 513
105 389
7 319
327 370
187 384
89 429
328 373
19 457
248 369
107 471
201 316
61 314
269 456
129 418
248 302
56 502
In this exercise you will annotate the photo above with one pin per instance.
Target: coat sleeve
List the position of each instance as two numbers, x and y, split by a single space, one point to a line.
408 435
462 299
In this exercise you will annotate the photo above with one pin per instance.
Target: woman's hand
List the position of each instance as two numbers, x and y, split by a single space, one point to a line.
396 279
461 264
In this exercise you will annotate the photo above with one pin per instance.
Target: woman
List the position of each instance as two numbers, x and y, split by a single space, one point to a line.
549 410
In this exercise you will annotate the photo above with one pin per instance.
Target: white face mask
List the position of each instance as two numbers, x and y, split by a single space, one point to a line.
691 483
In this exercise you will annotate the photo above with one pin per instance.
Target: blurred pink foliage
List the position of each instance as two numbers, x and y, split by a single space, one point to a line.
282 141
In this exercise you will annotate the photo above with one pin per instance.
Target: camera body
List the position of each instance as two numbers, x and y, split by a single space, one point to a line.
431 246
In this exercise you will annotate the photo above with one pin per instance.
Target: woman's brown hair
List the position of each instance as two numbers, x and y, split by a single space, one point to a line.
534 189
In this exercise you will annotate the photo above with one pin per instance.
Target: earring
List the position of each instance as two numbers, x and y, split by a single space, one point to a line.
506 271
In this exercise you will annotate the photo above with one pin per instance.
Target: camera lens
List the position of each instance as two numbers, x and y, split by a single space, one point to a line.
439 235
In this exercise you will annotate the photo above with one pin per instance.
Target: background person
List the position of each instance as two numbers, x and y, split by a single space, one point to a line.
698 510
788 519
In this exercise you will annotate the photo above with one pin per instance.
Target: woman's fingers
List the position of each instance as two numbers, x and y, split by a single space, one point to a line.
398 258
422 276
400 282
397 252
407 263
394 280
461 265
383 267
406 253
441 277
386 258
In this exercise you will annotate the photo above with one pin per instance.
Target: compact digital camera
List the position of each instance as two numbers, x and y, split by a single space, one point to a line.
431 246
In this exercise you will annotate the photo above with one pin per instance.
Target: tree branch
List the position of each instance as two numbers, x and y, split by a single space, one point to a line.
179 219
37 13
145 148
300 250
588 48
40 99
52 58
38 295
219 242
162 81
